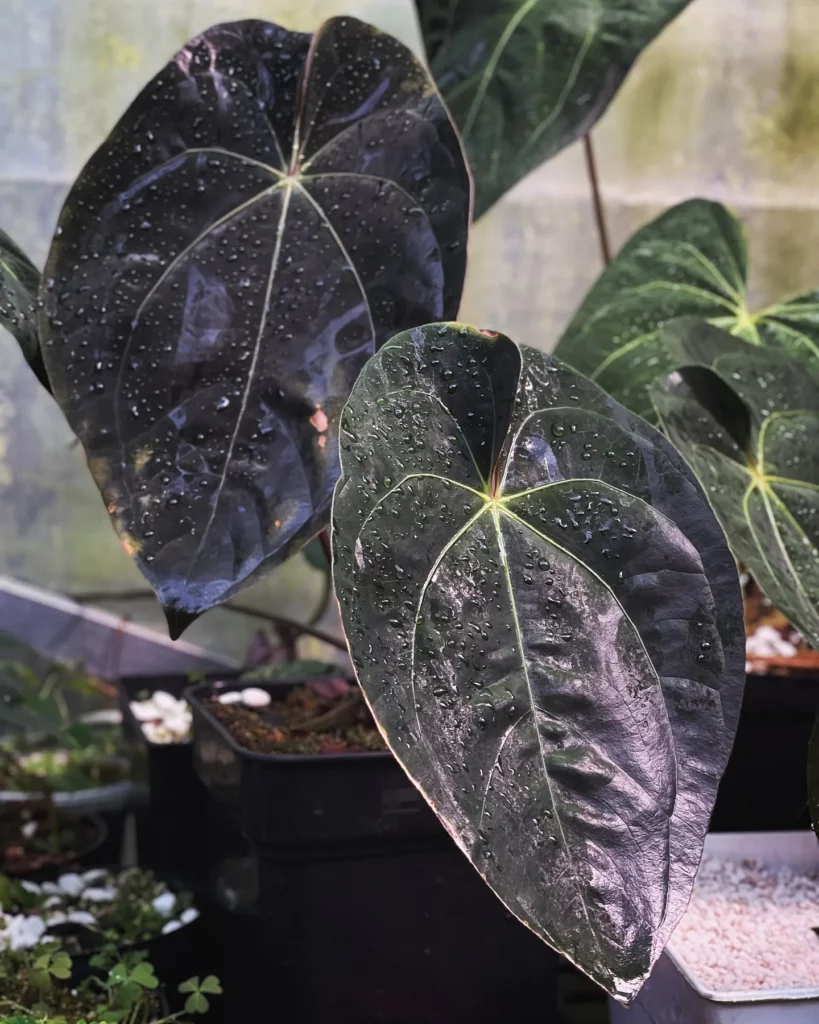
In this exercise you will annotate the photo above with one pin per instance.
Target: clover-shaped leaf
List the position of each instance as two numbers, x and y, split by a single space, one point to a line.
196 1001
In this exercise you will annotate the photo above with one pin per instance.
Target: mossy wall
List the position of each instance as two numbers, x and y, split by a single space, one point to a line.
724 104
68 69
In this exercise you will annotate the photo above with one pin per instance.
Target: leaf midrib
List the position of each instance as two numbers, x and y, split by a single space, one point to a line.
496 508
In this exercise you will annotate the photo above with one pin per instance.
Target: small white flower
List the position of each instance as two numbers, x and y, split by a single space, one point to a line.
31 887
189 916
164 903
51 889
29 830
71 883
52 902
171 926
253 697
233 697
82 917
58 918
100 894
94 875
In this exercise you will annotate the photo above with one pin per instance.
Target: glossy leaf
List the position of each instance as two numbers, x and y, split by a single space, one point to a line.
747 421
271 209
546 622
525 78
690 262
813 777
19 281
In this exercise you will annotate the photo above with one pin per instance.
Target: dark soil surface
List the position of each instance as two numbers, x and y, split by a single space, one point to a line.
325 717
22 854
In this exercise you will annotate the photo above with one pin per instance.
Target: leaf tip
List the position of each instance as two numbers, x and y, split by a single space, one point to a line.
178 621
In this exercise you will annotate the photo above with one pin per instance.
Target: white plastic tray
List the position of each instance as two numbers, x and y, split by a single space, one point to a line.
673 995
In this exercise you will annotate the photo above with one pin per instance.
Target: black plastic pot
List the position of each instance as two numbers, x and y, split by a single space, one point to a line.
765 784
169 819
348 883
91 857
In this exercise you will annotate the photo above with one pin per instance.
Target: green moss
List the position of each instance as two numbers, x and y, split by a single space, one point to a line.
789 131
653 115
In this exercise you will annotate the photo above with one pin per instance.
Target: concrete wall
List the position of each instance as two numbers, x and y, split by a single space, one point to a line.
724 104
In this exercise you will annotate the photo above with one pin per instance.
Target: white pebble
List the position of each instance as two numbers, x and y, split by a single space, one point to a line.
232 697
72 884
82 917
164 903
749 928
100 894
253 697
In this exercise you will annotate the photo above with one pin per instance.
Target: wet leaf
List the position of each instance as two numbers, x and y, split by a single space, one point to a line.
690 262
547 624
747 421
19 281
525 78
271 209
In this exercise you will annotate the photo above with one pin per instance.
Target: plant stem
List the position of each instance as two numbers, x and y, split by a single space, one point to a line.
324 537
597 199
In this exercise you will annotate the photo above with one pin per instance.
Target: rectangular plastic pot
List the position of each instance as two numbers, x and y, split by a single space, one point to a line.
672 995
287 802
348 883
169 820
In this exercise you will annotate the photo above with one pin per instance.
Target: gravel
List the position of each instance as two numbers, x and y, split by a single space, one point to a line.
749 928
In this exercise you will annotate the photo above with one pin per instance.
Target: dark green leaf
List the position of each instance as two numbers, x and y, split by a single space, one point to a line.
524 78
690 262
314 553
761 473
271 209
813 777
19 281
547 624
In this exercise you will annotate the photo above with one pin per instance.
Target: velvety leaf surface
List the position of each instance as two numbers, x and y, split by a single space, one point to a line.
525 78
19 281
546 621
690 262
271 209
747 421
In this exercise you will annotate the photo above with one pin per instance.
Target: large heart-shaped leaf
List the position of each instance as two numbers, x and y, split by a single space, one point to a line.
19 281
747 421
546 621
271 209
525 78
690 262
